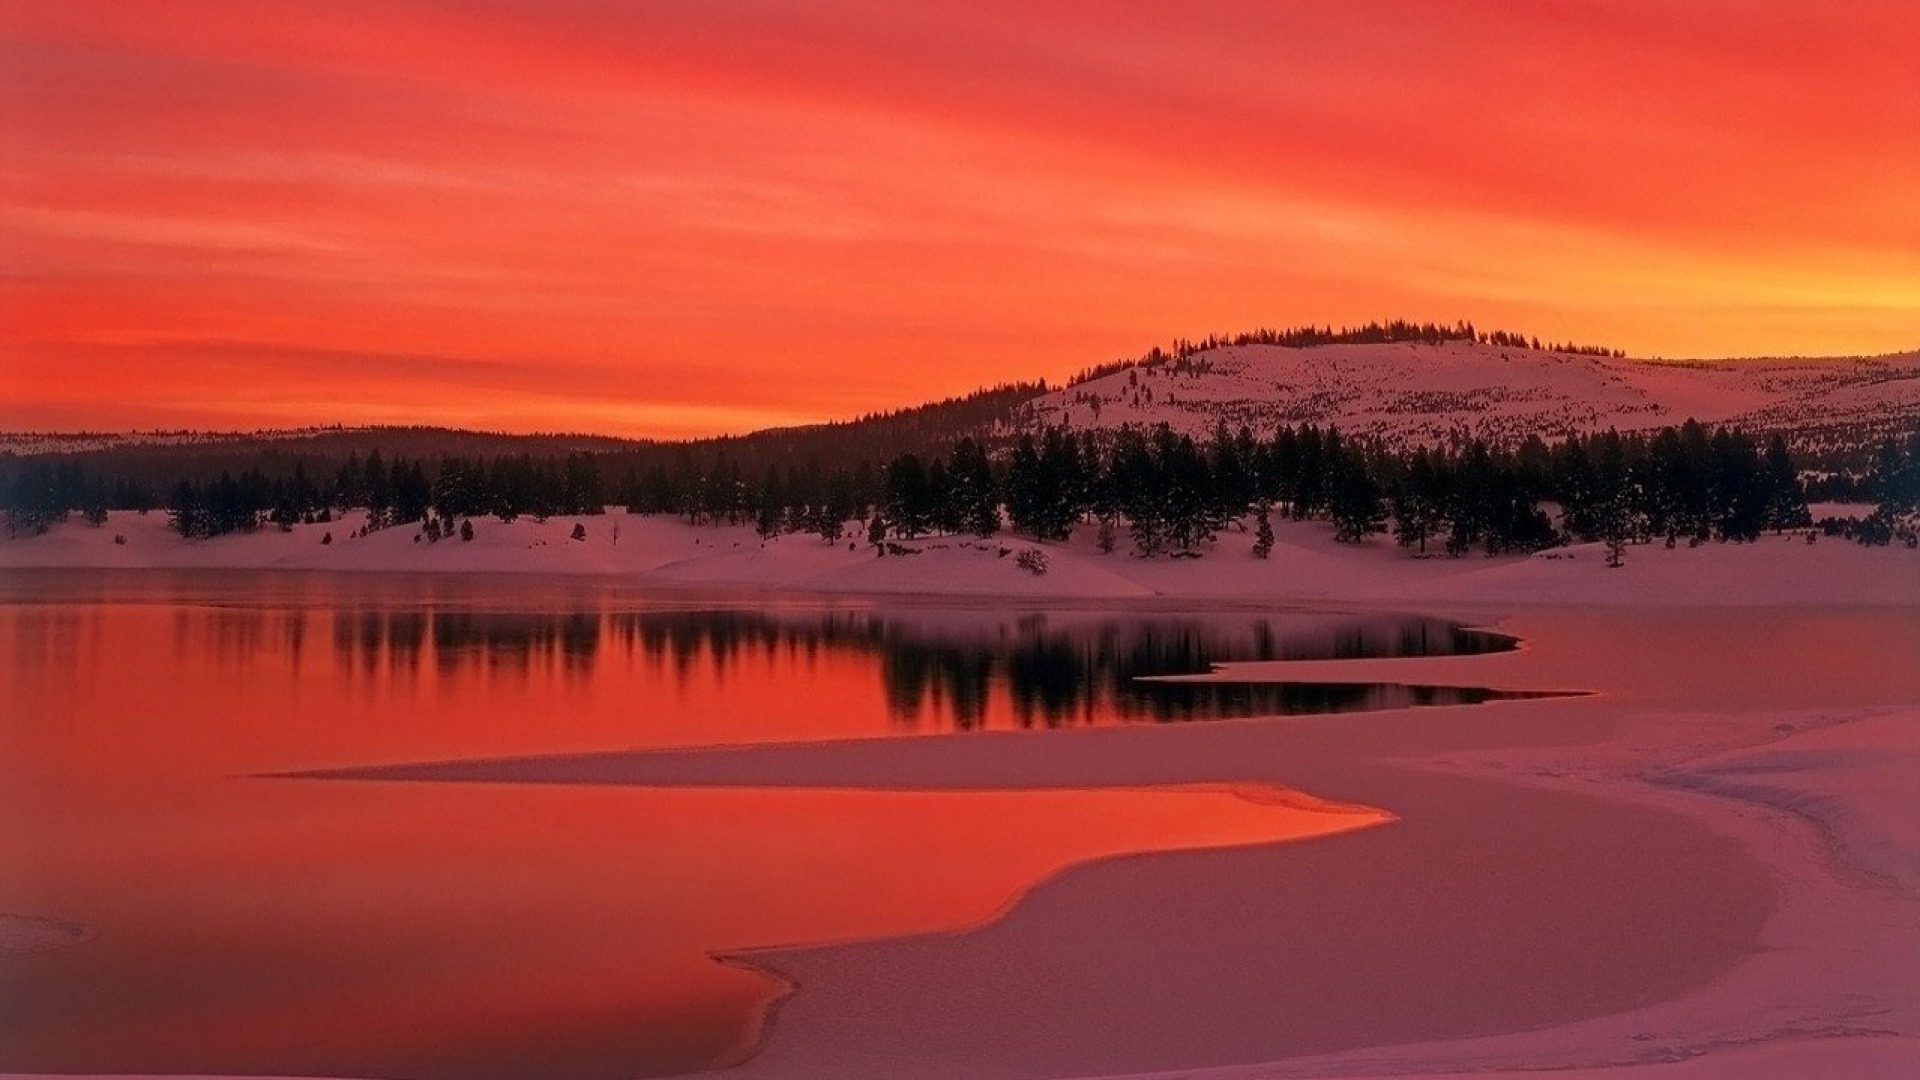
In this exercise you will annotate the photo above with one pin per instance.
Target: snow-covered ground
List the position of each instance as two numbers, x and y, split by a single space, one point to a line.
1708 870
1306 564
1702 872
1420 393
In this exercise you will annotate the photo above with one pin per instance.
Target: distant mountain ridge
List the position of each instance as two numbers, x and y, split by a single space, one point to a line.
321 437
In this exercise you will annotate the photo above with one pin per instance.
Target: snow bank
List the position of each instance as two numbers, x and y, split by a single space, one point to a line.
1859 782
1430 928
1306 565
1856 1057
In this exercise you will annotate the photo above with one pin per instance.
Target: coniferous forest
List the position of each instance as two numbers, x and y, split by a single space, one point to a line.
1164 493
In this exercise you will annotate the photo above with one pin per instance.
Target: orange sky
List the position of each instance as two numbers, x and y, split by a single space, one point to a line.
693 216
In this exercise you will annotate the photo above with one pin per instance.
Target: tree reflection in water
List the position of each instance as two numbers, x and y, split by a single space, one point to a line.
946 668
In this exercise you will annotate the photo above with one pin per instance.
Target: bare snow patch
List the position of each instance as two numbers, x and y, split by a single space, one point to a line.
1859 782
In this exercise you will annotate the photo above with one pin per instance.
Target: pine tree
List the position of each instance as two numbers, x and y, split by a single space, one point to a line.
1192 507
1893 482
909 498
1063 485
349 484
770 515
976 504
1356 506
1417 501
1786 502
945 514
1738 498
1262 536
184 510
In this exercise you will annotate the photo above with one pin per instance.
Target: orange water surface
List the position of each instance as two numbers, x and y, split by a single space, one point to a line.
246 924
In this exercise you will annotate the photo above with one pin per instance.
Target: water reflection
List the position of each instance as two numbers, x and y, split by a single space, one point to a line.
515 640
459 932
937 670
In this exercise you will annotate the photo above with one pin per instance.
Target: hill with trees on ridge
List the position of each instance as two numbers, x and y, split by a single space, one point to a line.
1450 390
1401 382
155 459
1389 390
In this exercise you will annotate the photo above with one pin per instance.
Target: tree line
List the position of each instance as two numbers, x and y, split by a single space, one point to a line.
1392 331
1171 493
1168 493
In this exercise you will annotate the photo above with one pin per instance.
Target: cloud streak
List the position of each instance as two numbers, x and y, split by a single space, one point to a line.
673 217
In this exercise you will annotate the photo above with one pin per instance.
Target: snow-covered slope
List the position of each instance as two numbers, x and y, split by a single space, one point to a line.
1422 393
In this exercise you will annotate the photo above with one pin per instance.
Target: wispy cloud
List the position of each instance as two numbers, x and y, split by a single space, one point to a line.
860 203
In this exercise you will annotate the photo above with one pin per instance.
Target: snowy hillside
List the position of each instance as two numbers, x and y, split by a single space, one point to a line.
1431 393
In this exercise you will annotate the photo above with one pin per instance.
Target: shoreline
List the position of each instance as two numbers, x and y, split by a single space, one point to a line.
792 1049
787 986
1607 746
1572 791
781 1057
1307 566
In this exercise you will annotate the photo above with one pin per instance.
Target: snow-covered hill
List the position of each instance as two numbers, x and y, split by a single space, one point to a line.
1426 393
1404 392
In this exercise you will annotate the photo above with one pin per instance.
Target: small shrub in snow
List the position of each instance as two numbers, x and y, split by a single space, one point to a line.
1032 560
579 531
326 538
466 530
119 538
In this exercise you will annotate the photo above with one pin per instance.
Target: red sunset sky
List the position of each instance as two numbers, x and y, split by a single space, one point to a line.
694 216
